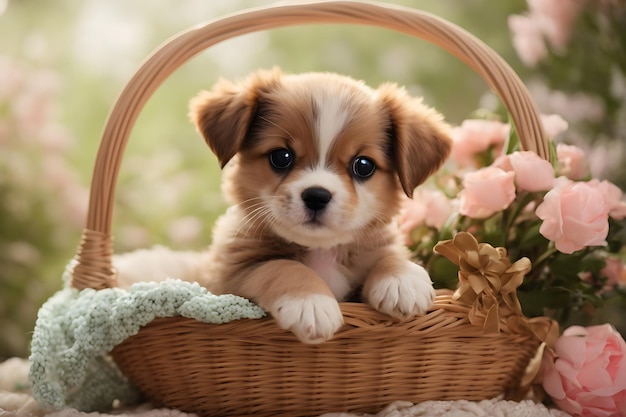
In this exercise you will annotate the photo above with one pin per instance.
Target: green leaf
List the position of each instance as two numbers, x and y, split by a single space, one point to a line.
537 302
443 272
554 159
512 141
592 262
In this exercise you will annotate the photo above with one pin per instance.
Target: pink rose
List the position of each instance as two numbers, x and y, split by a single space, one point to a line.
532 173
588 377
486 192
475 136
574 216
572 160
613 198
427 207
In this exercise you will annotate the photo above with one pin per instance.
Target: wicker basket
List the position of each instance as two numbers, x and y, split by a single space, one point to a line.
251 367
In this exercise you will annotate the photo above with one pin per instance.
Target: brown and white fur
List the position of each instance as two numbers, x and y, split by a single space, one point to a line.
300 238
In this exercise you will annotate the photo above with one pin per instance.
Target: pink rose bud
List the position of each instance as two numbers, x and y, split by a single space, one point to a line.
574 216
532 173
588 378
475 136
572 161
486 192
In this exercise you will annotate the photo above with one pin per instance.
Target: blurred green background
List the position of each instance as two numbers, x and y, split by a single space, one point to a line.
63 63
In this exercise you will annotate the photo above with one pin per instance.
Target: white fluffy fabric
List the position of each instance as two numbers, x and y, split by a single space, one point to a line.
461 408
15 400
156 264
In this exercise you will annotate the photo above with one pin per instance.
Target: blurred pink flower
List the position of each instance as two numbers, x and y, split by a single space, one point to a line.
573 107
486 191
588 377
574 216
556 18
12 76
62 181
55 138
572 161
553 124
532 173
527 39
614 273
503 162
546 19
613 198
427 207
606 158
474 136
34 106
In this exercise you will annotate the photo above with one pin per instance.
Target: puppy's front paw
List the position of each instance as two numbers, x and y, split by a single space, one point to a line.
313 319
405 294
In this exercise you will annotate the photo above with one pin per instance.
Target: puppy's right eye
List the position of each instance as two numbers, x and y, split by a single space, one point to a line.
281 159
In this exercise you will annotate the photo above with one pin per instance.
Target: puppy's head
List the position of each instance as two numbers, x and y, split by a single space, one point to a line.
319 158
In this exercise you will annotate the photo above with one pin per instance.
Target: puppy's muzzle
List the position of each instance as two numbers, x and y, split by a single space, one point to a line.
316 198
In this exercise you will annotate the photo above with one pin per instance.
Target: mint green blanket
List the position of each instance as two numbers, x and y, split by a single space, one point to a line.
75 330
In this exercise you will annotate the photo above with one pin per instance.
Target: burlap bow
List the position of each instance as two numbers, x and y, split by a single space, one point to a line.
488 283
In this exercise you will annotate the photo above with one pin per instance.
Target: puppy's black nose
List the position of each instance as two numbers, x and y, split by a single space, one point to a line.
316 198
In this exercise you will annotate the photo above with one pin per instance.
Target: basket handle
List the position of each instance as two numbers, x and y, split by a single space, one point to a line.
93 268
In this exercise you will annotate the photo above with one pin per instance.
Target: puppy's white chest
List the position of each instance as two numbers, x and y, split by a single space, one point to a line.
325 263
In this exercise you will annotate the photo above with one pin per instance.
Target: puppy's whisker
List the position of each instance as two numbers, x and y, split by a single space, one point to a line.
251 213
262 226
260 211
246 204
251 219
271 220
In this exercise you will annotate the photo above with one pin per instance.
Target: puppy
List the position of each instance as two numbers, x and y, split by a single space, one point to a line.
316 166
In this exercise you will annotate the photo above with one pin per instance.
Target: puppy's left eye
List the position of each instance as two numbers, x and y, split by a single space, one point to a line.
363 167
281 159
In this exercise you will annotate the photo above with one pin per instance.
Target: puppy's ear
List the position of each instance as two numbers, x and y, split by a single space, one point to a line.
224 114
420 138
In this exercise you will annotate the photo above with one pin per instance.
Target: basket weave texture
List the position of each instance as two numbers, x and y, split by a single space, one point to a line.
251 367
466 347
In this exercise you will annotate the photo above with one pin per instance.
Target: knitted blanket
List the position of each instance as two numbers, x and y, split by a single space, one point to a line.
75 330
